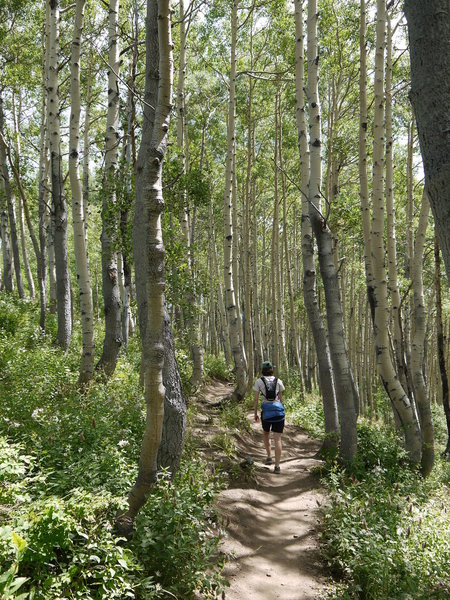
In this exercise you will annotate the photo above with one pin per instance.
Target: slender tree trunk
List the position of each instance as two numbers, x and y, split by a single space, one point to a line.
7 275
10 202
362 158
63 296
275 254
220 294
192 318
111 293
230 299
22 205
399 352
400 401
79 241
87 148
309 268
248 249
149 251
174 425
254 272
346 396
418 343
441 343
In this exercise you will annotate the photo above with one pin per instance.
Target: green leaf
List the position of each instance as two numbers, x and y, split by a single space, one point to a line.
18 541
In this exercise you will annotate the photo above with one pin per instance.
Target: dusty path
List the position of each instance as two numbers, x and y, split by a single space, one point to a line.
272 539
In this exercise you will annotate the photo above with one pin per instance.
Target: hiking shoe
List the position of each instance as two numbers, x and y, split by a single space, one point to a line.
276 469
268 460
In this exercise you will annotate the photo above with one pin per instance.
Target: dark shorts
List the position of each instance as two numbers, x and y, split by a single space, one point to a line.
277 426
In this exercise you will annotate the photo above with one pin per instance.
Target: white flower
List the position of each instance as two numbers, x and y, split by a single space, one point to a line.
36 413
123 443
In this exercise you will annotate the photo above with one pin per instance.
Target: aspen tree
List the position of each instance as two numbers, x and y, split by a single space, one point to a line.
230 298
148 245
10 204
441 343
399 352
87 146
429 32
400 401
346 395
293 320
22 207
275 255
309 268
258 346
59 216
7 274
418 342
277 249
192 320
220 293
125 282
43 179
248 250
111 294
78 212
362 156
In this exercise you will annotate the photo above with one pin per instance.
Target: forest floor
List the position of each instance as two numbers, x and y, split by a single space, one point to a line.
272 520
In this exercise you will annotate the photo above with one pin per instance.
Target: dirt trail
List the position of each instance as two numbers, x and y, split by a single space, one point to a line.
272 539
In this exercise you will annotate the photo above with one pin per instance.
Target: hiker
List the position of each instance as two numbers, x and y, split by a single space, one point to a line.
272 411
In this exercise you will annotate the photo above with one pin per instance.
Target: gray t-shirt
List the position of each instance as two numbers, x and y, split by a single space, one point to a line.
260 387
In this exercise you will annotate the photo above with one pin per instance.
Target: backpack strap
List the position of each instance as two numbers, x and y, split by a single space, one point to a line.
263 379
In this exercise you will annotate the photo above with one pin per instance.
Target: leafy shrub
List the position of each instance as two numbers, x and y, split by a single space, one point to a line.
216 367
177 533
233 415
307 412
67 460
386 530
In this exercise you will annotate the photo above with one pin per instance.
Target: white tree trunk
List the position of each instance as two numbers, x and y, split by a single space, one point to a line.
400 401
309 268
390 224
230 300
63 296
111 293
148 245
78 212
418 342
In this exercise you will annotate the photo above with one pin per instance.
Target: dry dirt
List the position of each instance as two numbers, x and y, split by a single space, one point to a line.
271 540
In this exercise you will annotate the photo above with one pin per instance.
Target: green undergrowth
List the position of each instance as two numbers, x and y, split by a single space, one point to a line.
386 529
67 461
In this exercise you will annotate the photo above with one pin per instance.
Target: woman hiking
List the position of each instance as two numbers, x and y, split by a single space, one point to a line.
272 411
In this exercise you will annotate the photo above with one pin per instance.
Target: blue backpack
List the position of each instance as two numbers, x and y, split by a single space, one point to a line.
272 410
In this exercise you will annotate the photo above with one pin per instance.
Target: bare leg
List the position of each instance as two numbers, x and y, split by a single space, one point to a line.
267 441
277 440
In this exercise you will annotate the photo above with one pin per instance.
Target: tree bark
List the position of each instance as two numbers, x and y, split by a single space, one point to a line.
346 396
78 212
10 203
441 343
418 343
149 260
111 293
230 298
309 268
63 296
399 352
399 399
429 32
